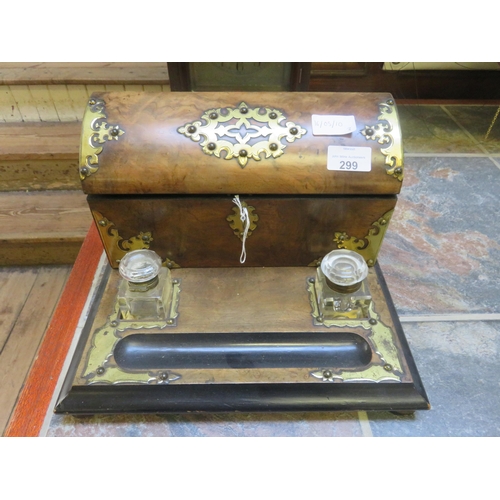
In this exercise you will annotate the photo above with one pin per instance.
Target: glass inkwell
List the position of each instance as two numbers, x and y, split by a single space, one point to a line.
341 287
145 292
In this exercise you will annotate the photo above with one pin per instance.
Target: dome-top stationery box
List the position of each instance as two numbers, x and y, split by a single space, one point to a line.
268 179
242 232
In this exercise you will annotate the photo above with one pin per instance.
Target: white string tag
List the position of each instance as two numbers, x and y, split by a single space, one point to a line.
245 218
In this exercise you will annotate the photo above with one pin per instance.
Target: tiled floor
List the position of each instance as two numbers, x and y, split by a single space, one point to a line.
441 260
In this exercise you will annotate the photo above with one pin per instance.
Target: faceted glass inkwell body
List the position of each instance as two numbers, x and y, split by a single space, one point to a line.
341 286
146 289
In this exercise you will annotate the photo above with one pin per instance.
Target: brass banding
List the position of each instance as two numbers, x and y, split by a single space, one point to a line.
343 288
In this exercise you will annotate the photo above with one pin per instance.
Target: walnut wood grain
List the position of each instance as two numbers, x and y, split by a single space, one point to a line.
194 231
153 157
228 301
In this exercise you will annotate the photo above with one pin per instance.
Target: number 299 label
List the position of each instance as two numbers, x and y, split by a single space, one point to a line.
347 159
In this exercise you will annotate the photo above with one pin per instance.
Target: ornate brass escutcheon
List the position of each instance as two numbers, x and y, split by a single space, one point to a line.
236 223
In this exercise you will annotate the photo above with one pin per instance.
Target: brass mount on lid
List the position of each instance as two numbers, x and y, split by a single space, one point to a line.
242 132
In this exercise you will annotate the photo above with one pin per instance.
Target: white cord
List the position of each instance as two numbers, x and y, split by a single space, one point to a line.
245 218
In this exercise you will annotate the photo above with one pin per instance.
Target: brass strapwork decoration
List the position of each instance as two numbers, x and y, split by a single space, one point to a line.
368 246
237 225
100 366
170 264
96 131
386 364
315 262
116 247
388 133
243 132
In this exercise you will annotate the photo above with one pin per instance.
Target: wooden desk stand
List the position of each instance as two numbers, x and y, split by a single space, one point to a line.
245 339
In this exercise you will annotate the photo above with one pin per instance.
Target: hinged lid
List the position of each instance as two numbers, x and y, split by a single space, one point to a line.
254 143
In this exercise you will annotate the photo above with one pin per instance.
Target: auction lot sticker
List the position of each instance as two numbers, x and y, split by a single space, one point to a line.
348 159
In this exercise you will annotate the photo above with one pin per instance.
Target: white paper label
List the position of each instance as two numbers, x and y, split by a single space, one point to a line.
333 124
348 159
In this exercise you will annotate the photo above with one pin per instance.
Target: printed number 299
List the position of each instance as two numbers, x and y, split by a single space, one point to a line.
348 165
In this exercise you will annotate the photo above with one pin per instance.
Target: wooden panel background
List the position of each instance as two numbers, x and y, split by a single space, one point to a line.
48 73
34 399
57 102
42 228
28 297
